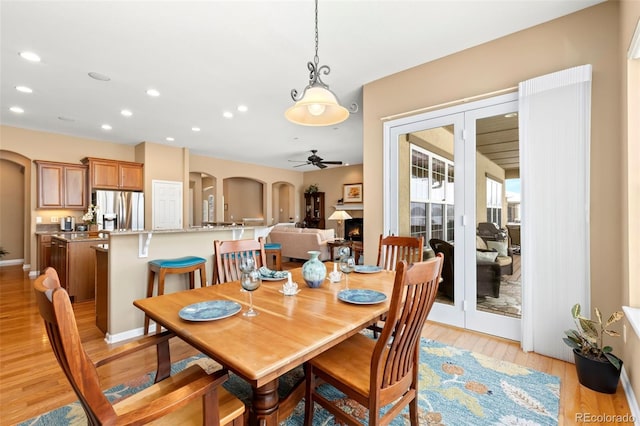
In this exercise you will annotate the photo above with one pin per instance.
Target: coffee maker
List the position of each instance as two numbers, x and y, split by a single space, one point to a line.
67 223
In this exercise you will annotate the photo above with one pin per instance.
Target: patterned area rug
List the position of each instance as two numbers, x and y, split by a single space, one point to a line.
457 387
509 303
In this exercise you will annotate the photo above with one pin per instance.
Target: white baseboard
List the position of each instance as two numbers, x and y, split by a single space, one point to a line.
11 262
631 397
34 274
125 335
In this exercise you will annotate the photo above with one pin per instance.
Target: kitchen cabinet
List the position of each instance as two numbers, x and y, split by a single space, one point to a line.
314 210
61 185
102 287
44 251
74 260
114 174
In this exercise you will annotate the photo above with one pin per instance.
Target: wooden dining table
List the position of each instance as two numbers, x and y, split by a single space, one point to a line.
287 331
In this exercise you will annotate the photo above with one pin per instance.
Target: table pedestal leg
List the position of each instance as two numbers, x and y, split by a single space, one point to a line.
264 410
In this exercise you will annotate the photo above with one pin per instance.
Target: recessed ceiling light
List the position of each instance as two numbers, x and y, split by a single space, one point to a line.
170 139
63 118
243 108
16 109
153 92
195 129
30 56
24 89
106 127
126 113
98 76
227 114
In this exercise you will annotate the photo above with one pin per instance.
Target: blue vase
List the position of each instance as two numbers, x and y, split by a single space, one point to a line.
313 270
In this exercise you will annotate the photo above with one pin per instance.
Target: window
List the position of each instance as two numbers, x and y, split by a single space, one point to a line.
494 201
431 195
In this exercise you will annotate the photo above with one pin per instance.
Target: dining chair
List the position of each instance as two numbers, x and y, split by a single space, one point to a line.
377 373
229 254
189 397
391 250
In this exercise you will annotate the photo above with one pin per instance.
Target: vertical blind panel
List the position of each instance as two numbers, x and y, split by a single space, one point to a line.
554 156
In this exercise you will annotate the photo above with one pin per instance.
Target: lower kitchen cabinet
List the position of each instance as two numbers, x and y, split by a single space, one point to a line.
75 263
102 288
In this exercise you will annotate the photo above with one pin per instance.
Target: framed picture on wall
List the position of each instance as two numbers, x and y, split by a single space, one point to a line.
352 193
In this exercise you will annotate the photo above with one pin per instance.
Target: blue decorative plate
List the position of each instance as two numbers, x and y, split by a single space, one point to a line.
210 310
361 296
367 269
268 275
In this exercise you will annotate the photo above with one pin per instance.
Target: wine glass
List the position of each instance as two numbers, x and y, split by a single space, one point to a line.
347 265
246 264
250 281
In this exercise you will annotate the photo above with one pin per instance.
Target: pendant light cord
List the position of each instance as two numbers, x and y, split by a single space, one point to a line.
316 59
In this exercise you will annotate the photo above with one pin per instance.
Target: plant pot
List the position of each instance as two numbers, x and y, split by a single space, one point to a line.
93 230
600 376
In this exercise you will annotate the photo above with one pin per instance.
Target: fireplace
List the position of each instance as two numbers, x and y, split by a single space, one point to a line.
353 229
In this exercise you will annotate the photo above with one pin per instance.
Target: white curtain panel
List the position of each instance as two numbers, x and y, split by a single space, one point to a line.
555 121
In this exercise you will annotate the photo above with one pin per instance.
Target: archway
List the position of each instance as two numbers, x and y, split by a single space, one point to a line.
20 167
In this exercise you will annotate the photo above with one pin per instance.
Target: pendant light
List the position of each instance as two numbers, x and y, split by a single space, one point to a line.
317 105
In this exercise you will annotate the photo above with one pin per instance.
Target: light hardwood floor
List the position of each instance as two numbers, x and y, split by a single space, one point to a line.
31 382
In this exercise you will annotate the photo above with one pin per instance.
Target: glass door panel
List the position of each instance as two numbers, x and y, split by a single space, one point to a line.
494 288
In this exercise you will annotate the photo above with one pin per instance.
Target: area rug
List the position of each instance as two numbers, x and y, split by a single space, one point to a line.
457 387
509 303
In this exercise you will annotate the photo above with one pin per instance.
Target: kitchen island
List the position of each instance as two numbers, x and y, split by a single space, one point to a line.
73 259
128 255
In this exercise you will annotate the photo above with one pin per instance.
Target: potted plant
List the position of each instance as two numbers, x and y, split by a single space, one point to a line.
312 189
597 368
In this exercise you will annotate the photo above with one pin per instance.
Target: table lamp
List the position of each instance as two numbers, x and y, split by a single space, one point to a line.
339 215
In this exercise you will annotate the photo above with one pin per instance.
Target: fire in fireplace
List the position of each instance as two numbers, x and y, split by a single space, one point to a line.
353 229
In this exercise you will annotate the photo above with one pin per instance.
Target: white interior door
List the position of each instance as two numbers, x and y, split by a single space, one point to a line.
167 204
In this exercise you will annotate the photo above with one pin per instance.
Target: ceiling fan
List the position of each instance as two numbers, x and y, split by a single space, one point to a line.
315 160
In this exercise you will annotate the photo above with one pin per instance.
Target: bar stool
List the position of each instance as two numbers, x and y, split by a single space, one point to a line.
274 252
182 265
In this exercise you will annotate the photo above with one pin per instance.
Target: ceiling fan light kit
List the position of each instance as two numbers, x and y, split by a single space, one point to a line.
317 105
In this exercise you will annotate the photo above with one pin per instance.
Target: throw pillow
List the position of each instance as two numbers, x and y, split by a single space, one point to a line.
486 256
499 246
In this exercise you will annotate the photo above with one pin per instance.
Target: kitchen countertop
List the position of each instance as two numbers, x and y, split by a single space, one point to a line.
79 236
192 229
101 247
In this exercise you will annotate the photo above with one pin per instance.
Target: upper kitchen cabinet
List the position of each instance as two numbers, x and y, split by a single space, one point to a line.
113 174
61 185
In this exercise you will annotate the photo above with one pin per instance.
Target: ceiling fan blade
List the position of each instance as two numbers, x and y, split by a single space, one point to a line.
320 165
300 165
331 162
298 161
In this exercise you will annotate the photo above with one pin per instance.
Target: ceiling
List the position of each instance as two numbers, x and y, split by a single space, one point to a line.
208 57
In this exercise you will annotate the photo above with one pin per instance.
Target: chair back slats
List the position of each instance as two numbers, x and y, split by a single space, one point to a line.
229 253
396 353
393 249
56 310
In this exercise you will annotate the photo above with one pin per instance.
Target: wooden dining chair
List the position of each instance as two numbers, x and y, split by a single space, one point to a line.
188 397
391 250
228 255
376 373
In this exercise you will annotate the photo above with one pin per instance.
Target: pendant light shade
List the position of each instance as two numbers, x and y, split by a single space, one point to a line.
318 105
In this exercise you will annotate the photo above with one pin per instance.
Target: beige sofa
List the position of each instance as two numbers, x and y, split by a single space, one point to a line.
296 242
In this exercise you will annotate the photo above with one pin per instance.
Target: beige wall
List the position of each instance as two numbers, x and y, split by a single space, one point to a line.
590 36
331 181
244 198
630 105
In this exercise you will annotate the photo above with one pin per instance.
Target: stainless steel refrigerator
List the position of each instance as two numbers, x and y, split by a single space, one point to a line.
120 210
